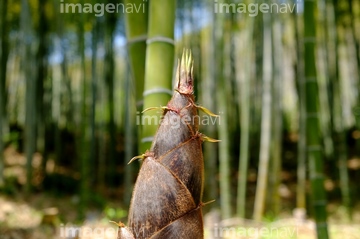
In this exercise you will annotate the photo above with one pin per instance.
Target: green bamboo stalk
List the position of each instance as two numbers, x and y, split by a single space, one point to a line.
130 139
265 124
3 63
93 94
301 165
257 84
244 89
208 82
222 56
277 115
356 40
136 32
83 145
30 114
41 59
354 9
159 65
109 75
223 129
325 83
313 135
338 126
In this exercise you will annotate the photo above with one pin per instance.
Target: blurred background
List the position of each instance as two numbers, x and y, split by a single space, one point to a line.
284 78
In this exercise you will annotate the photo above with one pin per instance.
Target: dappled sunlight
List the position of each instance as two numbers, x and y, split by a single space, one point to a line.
43 216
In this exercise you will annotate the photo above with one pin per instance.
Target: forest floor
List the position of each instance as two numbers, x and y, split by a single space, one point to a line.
47 215
44 216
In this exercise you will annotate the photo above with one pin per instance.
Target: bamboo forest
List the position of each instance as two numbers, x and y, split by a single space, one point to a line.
179 119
